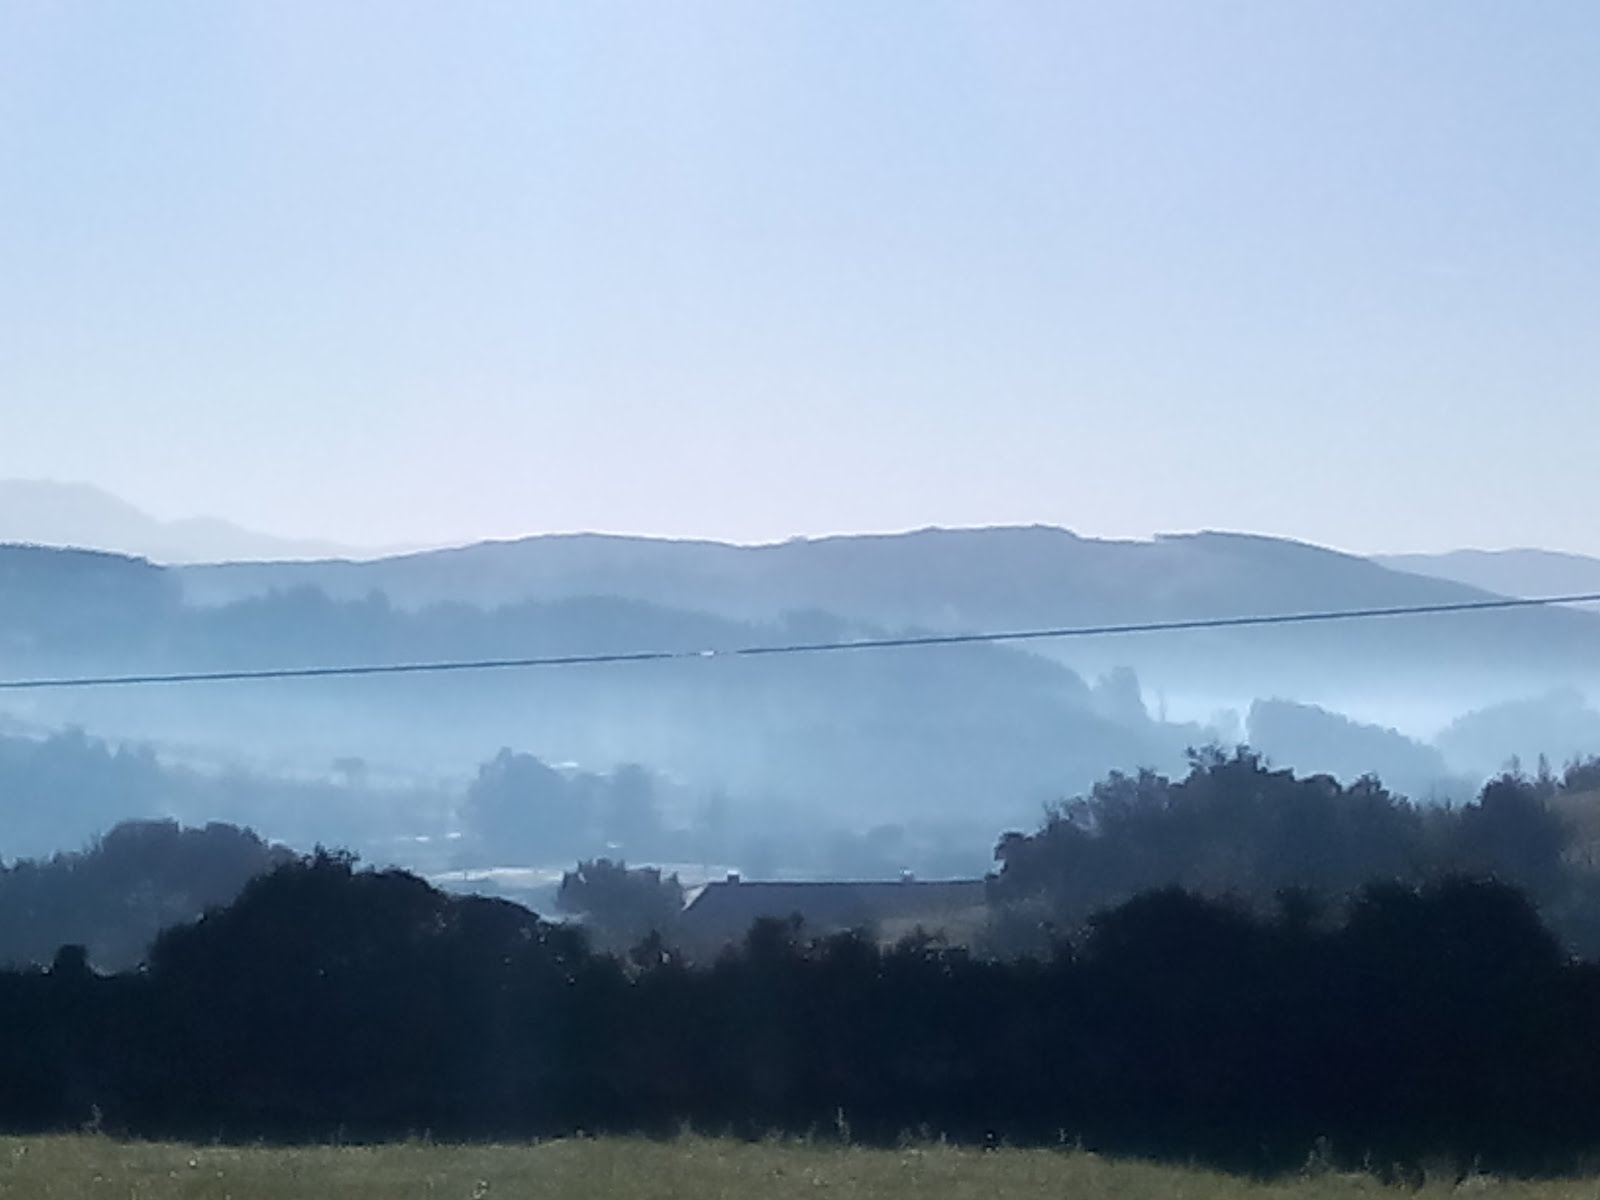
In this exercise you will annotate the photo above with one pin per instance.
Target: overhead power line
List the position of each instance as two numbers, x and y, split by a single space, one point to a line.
913 641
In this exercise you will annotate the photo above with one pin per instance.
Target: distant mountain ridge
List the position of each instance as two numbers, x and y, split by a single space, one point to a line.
1520 572
885 732
995 578
1008 578
48 513
935 577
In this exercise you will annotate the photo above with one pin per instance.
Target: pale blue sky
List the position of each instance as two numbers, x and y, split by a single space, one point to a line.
409 272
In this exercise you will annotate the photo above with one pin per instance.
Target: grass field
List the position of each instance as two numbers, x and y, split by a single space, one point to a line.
74 1168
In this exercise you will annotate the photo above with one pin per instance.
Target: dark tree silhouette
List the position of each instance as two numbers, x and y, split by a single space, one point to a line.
620 905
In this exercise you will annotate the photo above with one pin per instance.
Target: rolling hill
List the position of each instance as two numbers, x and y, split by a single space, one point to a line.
986 731
1014 578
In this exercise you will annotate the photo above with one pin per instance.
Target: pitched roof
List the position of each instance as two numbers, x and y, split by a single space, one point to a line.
724 911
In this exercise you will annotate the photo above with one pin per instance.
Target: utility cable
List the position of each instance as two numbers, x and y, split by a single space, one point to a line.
910 641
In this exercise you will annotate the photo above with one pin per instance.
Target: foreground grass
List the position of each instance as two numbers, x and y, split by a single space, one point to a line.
71 1168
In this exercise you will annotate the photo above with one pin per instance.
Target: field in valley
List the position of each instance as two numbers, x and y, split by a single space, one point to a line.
77 1168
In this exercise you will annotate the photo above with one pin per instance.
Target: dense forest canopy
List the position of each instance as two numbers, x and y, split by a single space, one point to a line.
1235 828
1231 828
1418 1019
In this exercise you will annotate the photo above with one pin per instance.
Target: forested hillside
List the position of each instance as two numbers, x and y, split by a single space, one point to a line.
1003 578
879 734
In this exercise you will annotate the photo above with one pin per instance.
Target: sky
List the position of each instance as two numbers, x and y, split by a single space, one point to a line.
410 273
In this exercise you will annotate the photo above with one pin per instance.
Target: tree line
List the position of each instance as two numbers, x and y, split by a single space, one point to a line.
1233 827
1233 966
516 810
1236 827
115 896
62 789
330 1001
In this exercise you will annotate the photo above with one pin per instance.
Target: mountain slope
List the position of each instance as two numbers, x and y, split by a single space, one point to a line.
932 733
1509 572
939 578
47 513
941 730
997 578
